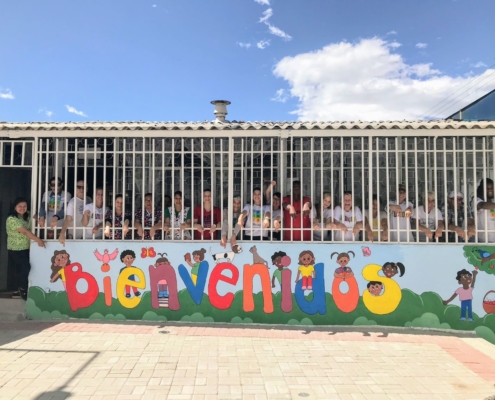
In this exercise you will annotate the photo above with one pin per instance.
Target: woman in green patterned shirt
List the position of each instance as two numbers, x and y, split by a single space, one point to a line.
18 242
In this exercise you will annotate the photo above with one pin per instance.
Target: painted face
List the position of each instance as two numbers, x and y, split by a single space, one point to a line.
390 270
277 262
161 264
21 208
347 202
61 260
128 260
327 202
343 261
465 279
196 258
375 289
236 205
306 259
402 196
148 203
257 197
276 202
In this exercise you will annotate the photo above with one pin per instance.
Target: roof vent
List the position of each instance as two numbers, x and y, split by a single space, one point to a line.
220 109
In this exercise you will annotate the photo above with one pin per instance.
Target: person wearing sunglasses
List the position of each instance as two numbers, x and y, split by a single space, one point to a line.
75 209
53 204
456 227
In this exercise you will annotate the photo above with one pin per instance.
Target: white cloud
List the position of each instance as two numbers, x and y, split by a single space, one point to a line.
244 45
45 111
281 95
392 33
74 111
278 32
479 64
6 94
369 81
421 45
262 44
267 14
263 2
154 6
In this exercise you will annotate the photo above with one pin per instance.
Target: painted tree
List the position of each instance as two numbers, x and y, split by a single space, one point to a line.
481 257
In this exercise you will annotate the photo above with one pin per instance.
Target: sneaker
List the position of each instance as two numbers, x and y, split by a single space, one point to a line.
138 293
128 295
23 293
463 319
304 288
310 287
16 295
470 320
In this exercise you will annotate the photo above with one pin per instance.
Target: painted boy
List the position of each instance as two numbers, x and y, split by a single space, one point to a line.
128 257
375 288
465 292
281 260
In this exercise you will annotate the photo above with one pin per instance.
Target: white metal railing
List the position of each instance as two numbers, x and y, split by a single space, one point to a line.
229 165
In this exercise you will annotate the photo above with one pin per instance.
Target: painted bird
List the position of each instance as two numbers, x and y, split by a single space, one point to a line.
105 258
483 253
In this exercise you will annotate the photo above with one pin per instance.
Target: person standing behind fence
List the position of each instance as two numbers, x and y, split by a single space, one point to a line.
428 219
298 213
400 213
486 211
52 206
236 229
455 204
94 216
152 226
258 218
276 208
19 234
74 212
207 219
120 219
178 219
348 220
377 221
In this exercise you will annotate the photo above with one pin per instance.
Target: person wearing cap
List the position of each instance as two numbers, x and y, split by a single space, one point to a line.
455 205
400 213
428 219
485 208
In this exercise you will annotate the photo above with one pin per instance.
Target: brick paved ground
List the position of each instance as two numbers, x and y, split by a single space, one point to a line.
124 361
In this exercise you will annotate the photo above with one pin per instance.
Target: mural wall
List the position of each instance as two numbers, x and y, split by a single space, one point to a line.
450 287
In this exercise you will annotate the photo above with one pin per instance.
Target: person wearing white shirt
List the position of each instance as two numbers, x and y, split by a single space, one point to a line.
428 219
348 220
255 218
74 213
485 210
400 212
377 221
94 216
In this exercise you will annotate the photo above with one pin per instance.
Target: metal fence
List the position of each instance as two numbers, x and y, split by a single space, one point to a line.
232 166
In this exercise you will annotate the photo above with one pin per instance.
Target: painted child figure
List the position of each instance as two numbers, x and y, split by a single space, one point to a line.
197 256
375 288
162 289
390 269
281 260
467 280
306 269
128 257
343 259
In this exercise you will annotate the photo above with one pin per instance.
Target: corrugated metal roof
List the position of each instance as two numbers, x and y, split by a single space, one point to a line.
242 126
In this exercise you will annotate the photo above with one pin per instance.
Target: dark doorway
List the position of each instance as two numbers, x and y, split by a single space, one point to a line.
15 182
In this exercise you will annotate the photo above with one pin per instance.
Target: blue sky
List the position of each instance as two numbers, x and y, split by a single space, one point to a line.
164 60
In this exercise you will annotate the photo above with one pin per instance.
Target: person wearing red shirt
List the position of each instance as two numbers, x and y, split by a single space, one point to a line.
298 214
206 219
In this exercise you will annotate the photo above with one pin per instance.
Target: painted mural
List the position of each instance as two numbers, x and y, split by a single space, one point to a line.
450 287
